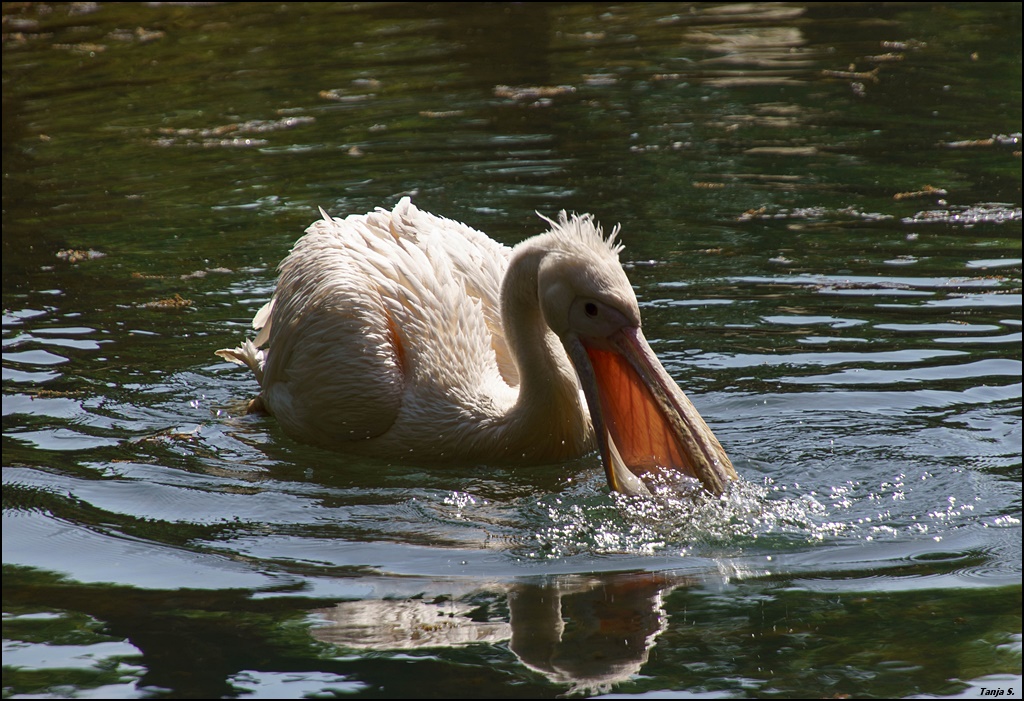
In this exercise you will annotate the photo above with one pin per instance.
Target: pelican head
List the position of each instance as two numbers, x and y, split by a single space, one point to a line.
643 423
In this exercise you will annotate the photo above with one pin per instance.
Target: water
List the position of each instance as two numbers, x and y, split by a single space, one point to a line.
822 216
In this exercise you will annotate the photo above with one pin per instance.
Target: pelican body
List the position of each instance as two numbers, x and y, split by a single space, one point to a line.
404 335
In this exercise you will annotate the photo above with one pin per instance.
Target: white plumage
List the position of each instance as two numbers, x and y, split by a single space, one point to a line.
406 335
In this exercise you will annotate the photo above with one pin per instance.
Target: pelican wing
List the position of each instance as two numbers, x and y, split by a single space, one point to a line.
371 305
477 262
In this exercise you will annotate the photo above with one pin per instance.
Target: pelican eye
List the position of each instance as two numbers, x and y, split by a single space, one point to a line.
591 309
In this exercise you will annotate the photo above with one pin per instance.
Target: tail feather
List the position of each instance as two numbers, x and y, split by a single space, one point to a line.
261 322
248 355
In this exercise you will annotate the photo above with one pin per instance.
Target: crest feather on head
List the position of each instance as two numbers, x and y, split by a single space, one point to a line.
582 230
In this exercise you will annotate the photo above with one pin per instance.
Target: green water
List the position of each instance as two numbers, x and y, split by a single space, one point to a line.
821 207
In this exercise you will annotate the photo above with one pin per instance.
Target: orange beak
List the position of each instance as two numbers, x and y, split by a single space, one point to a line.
644 423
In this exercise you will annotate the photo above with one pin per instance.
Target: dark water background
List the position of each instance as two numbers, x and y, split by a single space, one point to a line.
821 206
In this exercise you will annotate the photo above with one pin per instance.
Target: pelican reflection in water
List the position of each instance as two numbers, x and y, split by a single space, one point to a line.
404 335
589 632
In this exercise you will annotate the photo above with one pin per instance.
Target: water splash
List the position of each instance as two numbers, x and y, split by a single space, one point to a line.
676 520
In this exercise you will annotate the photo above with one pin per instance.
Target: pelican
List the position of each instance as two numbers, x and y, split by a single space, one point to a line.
408 336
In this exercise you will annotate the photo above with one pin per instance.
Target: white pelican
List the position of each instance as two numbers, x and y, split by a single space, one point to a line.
409 336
